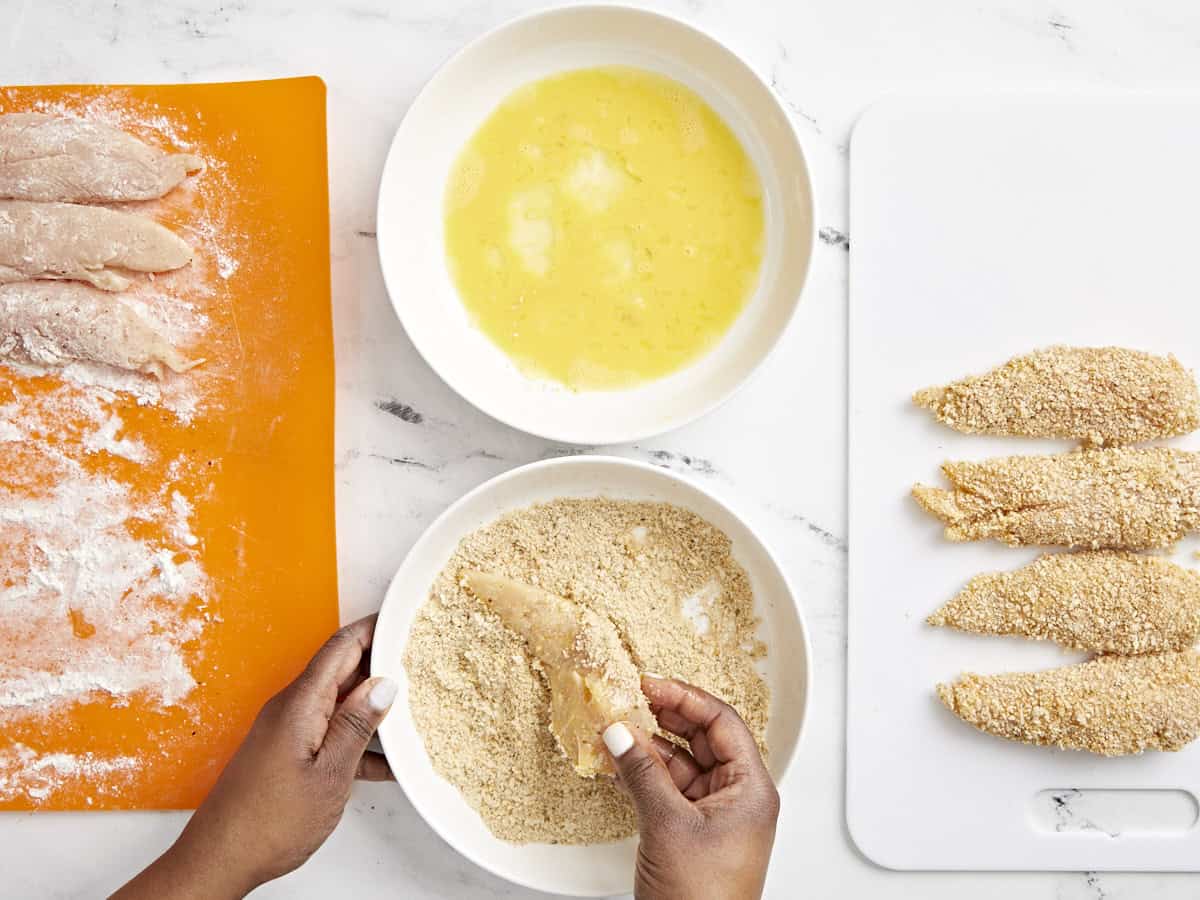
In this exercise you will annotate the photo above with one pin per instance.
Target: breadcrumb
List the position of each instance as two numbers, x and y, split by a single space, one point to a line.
1111 705
1126 499
1098 395
1103 601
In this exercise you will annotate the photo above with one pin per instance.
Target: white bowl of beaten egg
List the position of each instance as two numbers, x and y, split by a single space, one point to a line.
595 223
445 656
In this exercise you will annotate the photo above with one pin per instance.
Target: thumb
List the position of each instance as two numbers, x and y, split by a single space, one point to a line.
354 723
642 773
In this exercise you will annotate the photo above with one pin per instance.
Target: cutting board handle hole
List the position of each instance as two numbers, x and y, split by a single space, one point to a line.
1114 812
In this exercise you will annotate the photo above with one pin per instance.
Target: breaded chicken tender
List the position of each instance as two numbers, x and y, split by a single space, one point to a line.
1098 395
1125 499
1111 705
1103 601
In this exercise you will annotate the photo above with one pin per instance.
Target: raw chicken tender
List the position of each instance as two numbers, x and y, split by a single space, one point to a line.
593 681
83 243
46 157
56 323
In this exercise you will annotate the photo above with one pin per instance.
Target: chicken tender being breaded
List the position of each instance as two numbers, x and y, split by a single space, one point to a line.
1111 705
592 678
1098 395
1124 499
1103 601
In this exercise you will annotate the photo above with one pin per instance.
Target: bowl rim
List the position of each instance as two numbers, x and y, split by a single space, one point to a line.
785 765
598 435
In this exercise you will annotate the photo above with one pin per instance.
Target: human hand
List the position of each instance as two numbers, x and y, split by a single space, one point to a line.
707 812
286 788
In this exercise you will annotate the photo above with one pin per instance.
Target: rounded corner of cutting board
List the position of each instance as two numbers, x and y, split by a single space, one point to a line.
316 83
864 840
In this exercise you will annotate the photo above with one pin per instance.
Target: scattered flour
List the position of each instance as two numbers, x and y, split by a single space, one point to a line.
227 263
87 607
105 439
23 771
170 578
182 510
71 413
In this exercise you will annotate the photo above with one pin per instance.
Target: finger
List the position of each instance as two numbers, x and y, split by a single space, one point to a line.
345 688
680 764
702 750
374 767
701 787
354 723
340 657
693 711
644 775
360 674
694 734
313 696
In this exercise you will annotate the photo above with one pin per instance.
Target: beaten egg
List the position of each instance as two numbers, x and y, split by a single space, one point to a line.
604 227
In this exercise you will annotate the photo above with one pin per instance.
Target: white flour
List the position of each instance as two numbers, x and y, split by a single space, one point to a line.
92 609
22 771
59 415
182 509
105 439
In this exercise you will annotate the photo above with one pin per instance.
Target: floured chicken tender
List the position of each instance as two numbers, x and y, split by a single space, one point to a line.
1122 499
1104 601
1111 705
593 681
1098 395
56 323
83 243
49 158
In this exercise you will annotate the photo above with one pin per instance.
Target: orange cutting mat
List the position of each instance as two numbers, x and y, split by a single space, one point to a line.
254 458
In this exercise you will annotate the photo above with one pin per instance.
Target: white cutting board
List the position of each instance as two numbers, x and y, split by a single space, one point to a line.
982 228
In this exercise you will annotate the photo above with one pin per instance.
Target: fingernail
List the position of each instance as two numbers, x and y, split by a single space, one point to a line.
382 694
618 739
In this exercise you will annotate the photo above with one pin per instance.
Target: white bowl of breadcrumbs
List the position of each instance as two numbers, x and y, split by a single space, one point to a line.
695 595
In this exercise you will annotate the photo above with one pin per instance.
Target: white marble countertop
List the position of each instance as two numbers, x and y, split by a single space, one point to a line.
395 473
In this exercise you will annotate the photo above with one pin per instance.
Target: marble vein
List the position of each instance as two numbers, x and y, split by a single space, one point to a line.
401 411
834 238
